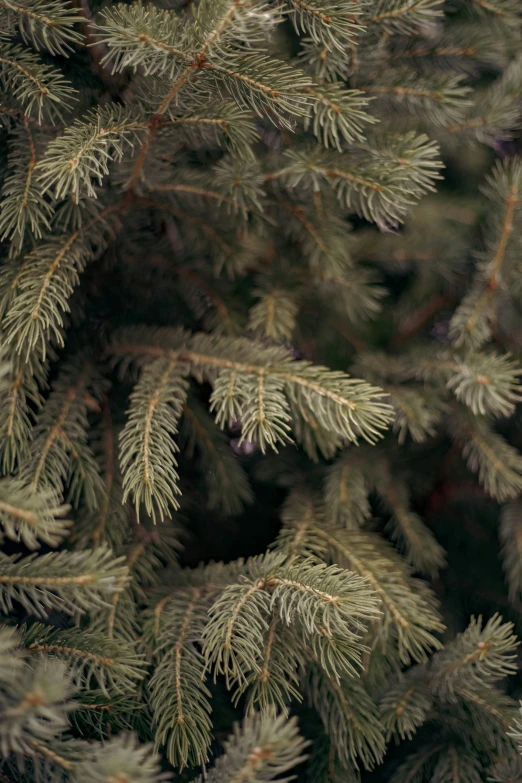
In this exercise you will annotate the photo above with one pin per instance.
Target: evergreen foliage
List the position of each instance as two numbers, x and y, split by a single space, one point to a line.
260 342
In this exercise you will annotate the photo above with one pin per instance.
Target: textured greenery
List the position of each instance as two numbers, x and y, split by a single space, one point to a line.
260 335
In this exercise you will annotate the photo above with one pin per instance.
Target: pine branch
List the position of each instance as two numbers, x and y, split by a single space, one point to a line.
70 581
422 549
108 665
498 465
329 604
337 114
480 655
410 616
45 282
405 16
350 719
19 398
383 183
265 747
32 518
46 24
34 707
123 758
346 492
179 697
330 23
344 406
23 208
41 89
60 452
438 99
147 451
83 153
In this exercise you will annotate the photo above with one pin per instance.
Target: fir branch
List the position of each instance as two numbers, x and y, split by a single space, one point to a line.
160 43
60 452
239 183
439 99
223 123
346 492
349 718
498 465
34 708
482 654
337 114
147 451
329 604
23 208
277 681
409 613
274 314
457 764
233 638
487 383
405 16
265 747
300 518
179 697
342 405
45 283
381 184
40 89
83 152
356 294
330 23
31 518
70 581
422 549
47 24
111 666
406 705
19 399
122 758
503 8
108 523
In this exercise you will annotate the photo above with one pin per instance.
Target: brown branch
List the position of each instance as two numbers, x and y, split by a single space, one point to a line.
420 317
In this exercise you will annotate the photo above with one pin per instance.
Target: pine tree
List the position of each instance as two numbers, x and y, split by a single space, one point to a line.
260 335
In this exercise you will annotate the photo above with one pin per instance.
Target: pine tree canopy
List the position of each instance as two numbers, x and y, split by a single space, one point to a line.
260 396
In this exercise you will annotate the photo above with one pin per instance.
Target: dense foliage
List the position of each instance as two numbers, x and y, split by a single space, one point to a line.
261 328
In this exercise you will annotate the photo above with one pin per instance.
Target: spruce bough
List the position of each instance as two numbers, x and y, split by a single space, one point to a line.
259 389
